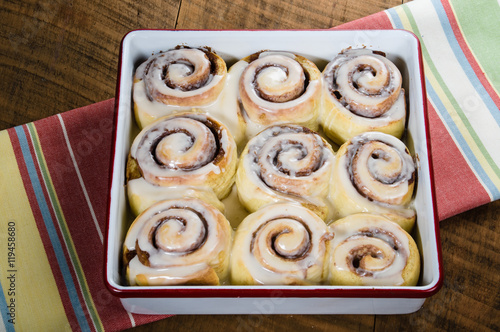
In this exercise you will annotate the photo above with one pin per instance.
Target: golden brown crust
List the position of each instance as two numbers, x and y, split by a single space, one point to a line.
132 171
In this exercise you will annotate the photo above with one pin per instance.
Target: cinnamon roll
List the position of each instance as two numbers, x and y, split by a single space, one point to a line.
281 244
362 92
370 250
182 241
286 163
374 172
186 154
276 88
177 80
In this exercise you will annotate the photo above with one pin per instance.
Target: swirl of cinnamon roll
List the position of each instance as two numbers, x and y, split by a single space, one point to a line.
186 150
177 80
285 163
280 244
182 241
374 172
362 92
371 250
279 87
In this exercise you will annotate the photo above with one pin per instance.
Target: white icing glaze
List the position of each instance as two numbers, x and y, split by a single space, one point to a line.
362 204
195 162
276 73
163 276
270 106
396 112
234 211
383 166
375 98
296 253
188 236
152 72
306 156
199 154
382 267
226 109
280 53
223 106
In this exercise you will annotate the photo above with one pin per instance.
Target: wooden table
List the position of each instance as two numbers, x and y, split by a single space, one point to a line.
58 55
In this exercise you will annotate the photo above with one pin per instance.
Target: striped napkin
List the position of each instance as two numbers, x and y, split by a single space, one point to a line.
459 40
54 178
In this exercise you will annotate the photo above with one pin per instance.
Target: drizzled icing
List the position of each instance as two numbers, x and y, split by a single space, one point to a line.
286 163
364 83
175 75
361 91
224 106
380 167
184 149
359 167
273 79
175 241
278 245
269 161
370 247
277 88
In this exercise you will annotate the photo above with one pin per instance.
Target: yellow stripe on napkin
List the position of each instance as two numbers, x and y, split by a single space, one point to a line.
30 275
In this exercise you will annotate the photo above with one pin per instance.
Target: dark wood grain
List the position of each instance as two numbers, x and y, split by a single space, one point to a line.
59 55
264 14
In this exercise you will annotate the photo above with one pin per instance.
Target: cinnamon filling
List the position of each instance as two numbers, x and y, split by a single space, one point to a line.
283 163
162 238
183 69
377 167
364 84
276 94
191 81
277 234
173 146
367 259
301 152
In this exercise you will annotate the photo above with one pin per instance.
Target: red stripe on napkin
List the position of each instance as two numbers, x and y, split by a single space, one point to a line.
453 178
37 214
